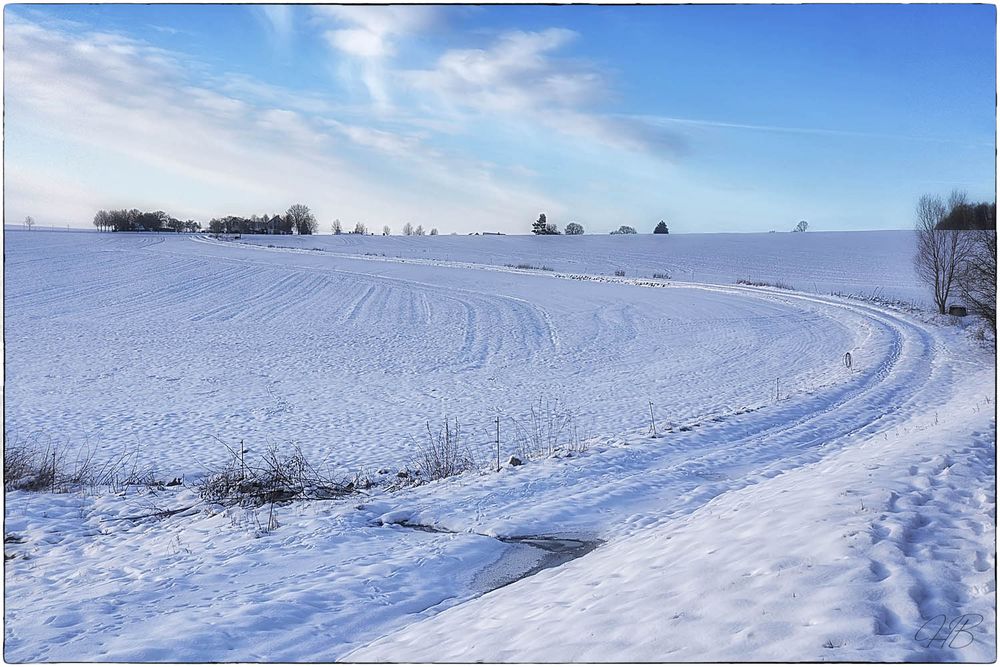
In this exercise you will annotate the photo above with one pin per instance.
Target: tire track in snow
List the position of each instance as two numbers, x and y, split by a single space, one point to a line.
358 305
742 450
551 331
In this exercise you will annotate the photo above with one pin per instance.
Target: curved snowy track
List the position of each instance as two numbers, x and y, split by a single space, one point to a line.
896 375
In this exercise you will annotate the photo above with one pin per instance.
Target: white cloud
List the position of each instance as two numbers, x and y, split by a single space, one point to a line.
521 77
149 133
515 74
368 35
359 42
392 143
378 24
279 20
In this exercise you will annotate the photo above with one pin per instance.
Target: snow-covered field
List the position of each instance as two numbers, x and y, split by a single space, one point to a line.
878 262
789 508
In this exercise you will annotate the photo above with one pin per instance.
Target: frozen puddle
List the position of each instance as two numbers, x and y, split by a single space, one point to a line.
523 557
527 556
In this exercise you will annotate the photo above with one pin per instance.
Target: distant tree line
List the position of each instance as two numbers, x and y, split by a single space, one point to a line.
964 215
298 219
255 224
134 220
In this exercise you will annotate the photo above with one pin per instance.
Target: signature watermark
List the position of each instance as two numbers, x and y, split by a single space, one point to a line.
941 631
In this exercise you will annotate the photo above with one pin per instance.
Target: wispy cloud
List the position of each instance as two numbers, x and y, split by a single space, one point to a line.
371 31
368 36
279 20
135 111
522 76
665 121
516 74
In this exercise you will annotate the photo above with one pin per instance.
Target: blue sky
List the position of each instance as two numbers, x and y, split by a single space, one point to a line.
714 118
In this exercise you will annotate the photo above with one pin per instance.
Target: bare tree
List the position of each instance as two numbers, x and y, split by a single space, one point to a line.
301 218
434 231
977 281
801 227
941 253
419 231
102 220
407 229
385 230
336 227
360 228
29 222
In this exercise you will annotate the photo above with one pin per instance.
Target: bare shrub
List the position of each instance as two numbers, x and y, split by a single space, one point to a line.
620 273
277 476
545 427
529 267
876 298
39 464
777 284
28 466
443 454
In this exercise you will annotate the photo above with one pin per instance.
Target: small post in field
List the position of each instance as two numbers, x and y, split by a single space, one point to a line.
652 421
498 444
777 390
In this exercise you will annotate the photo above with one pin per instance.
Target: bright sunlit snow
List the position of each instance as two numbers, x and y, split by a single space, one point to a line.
788 506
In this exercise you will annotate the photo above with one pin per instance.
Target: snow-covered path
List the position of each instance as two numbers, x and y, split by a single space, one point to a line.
835 523
862 556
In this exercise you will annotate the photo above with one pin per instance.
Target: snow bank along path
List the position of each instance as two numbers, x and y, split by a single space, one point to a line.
829 525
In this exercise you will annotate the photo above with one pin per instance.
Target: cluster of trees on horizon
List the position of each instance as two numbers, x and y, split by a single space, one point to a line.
542 227
134 220
297 219
964 215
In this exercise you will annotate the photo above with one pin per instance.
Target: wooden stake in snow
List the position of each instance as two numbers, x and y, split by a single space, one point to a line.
652 421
